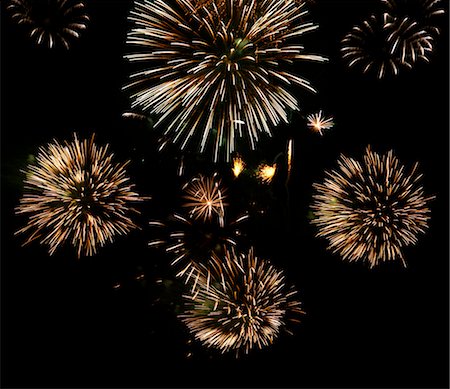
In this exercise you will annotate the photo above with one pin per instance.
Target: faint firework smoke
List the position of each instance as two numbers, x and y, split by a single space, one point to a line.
318 122
239 302
217 70
425 12
205 198
371 210
51 22
75 193
385 45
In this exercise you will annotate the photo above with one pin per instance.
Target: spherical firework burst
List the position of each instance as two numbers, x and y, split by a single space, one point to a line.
215 70
51 22
205 197
424 12
240 302
319 122
371 210
75 193
385 45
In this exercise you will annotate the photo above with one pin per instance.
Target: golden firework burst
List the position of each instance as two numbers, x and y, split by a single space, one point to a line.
75 193
239 302
238 166
371 210
205 197
215 71
318 122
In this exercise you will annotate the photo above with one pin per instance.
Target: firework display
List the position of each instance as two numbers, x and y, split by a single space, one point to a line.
240 302
268 170
216 71
51 22
75 193
371 210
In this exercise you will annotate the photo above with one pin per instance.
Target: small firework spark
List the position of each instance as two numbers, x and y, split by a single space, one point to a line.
424 12
51 22
290 157
240 302
205 197
215 70
238 166
266 173
75 193
385 45
370 210
318 122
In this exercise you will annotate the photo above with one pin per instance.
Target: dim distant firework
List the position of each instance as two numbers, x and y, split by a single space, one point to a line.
386 45
216 70
319 122
240 302
424 12
205 197
371 210
76 193
191 241
51 22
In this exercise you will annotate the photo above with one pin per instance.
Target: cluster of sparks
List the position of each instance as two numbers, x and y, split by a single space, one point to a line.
215 71
51 22
205 198
266 173
239 302
318 122
371 210
238 166
75 193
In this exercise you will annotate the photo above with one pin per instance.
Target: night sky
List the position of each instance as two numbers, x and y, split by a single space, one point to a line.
104 321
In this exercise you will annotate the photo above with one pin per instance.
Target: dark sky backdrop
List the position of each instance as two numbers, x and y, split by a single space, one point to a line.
63 323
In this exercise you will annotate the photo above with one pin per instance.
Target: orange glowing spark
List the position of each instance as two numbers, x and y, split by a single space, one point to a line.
318 122
215 71
370 210
75 193
266 173
239 302
238 166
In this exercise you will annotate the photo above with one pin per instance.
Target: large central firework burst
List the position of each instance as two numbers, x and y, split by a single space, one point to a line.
76 193
215 70
371 210
239 302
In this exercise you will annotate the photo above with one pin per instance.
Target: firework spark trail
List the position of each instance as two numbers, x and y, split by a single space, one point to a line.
215 70
51 22
76 193
319 122
371 210
238 166
385 45
239 302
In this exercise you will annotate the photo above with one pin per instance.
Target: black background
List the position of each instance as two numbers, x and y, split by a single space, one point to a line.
63 322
